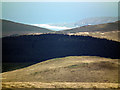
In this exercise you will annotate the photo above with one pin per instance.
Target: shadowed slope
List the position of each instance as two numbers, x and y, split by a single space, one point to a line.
37 48
48 45
41 47
13 28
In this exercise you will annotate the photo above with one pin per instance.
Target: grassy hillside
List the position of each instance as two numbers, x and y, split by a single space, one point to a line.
14 28
108 31
37 48
73 71
93 28
111 35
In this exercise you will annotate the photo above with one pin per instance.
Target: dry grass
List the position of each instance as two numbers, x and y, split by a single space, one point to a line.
111 35
58 85
67 72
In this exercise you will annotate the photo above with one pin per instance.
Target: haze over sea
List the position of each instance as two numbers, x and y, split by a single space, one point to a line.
45 13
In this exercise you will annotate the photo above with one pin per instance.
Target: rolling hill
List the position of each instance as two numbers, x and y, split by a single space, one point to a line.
94 28
108 31
111 35
14 28
66 72
66 60
37 48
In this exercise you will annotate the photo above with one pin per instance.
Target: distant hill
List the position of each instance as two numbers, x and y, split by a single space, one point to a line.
88 21
14 28
93 28
108 31
111 35
95 21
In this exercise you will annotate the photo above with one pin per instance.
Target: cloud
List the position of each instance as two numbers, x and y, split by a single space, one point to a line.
51 27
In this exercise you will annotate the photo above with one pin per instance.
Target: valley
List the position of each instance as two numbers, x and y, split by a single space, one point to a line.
82 57
59 45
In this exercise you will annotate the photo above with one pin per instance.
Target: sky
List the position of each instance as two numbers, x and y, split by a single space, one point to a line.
44 13
60 0
56 12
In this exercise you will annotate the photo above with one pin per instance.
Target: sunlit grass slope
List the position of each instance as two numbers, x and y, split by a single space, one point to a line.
68 71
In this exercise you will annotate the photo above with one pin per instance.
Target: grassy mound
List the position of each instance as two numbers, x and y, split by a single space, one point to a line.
68 69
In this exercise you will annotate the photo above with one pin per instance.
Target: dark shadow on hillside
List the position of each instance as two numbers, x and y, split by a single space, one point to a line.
37 48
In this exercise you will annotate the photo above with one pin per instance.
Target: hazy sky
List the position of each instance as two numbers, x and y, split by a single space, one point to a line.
56 12
60 0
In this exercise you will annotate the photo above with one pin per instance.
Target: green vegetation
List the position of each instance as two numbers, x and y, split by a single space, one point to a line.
79 65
